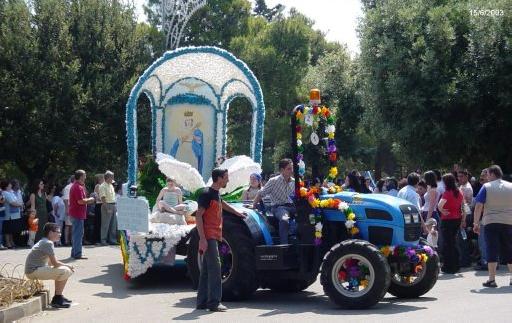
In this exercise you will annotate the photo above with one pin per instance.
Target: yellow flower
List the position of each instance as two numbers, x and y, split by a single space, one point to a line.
324 203
314 203
386 251
303 192
333 172
299 136
331 135
298 115
363 283
318 234
351 216
354 231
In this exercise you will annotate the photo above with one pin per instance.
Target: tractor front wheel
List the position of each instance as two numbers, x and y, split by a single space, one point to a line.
355 274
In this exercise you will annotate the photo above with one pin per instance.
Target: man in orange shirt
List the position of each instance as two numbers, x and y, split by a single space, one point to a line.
209 228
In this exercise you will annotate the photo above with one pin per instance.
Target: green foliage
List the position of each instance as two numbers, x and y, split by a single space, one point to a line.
439 79
66 69
151 181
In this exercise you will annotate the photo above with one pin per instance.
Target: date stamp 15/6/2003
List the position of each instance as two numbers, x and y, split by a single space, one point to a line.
487 12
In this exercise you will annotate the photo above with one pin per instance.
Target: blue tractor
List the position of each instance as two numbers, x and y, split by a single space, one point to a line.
355 271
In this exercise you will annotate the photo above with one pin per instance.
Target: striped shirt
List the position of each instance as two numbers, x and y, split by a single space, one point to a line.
279 190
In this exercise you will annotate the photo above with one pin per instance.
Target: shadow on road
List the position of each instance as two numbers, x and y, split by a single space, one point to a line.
304 302
500 290
157 280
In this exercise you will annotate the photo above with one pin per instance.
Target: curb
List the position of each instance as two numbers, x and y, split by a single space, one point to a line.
34 305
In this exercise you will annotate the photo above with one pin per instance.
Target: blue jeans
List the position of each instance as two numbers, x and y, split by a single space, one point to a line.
283 215
209 292
77 233
482 245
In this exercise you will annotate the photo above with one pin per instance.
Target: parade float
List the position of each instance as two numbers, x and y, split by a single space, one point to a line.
189 90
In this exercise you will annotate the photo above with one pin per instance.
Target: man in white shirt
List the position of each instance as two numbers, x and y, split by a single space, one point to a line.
440 185
465 187
408 192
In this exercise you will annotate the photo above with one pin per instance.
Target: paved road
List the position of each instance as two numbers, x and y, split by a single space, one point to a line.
165 295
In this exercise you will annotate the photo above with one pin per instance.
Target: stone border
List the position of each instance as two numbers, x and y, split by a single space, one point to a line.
34 305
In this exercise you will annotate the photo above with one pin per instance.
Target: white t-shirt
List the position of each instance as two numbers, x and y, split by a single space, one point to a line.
58 208
467 192
432 238
408 193
65 191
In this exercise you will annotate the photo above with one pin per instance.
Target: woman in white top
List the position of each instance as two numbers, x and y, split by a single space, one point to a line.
254 188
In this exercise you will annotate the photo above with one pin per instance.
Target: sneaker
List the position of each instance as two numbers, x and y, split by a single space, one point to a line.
2 247
219 308
490 283
67 300
58 302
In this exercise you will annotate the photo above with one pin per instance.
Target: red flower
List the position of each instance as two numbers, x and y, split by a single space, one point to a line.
336 203
333 156
342 275
326 112
298 129
316 110
126 277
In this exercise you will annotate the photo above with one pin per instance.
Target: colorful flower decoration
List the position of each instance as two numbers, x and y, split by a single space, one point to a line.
417 256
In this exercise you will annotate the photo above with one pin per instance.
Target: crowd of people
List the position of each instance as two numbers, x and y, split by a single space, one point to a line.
464 219
52 215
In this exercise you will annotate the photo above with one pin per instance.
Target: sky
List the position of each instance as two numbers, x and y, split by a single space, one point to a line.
336 18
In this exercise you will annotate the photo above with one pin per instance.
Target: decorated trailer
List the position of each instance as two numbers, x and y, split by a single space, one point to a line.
189 90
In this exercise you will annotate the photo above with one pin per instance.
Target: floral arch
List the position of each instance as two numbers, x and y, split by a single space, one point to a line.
190 90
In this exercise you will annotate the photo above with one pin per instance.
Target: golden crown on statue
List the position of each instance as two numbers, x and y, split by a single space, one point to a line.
188 113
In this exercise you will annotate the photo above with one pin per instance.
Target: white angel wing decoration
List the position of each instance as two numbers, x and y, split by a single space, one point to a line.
239 169
184 174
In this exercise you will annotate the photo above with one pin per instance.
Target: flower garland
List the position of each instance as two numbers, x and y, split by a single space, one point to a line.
417 256
312 116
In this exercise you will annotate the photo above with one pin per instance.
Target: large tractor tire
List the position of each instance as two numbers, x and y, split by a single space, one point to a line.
287 285
355 274
422 283
238 262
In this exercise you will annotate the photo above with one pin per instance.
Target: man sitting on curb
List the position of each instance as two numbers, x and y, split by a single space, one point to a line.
36 265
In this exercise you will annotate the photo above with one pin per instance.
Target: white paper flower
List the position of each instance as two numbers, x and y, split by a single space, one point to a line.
318 227
343 206
349 224
299 143
330 129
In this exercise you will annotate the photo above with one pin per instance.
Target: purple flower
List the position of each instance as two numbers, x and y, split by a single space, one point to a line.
410 253
331 149
318 241
224 249
428 250
415 259
300 157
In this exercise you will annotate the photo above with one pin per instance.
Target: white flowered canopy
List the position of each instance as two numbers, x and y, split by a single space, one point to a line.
207 76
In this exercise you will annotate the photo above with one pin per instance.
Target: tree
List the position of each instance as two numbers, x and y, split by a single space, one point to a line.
261 9
434 74
66 69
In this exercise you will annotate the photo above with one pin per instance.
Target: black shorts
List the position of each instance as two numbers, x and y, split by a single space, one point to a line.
498 239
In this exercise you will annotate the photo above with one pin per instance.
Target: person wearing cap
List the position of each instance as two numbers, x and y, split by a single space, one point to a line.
108 210
254 187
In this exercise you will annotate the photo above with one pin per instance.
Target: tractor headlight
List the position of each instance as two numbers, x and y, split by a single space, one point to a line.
415 217
407 218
